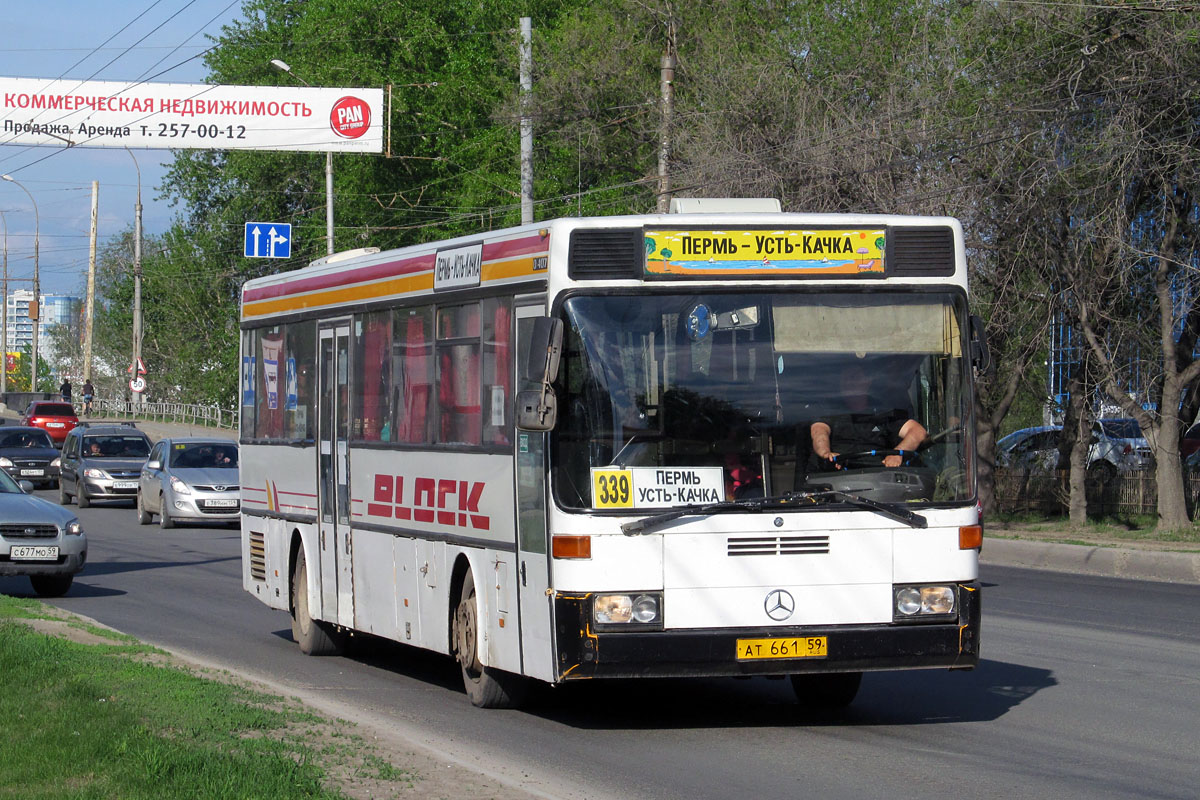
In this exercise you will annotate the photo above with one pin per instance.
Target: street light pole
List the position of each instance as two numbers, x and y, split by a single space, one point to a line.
283 67
37 286
137 279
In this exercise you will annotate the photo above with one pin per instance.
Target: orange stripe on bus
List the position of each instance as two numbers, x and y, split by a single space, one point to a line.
349 294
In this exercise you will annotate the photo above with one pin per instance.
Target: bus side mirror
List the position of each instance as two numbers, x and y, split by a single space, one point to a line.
545 347
537 409
981 354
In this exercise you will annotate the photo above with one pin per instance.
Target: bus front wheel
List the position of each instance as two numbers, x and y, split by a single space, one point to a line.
315 638
487 687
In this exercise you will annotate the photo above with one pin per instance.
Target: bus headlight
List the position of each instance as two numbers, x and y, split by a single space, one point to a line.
641 610
917 603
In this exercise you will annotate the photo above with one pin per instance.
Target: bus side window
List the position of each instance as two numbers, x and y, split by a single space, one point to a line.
497 371
373 378
459 389
412 371
299 368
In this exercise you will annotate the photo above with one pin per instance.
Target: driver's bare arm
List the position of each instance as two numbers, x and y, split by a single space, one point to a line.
912 433
819 431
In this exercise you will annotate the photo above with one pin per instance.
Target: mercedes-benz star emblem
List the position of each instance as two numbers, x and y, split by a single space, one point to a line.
779 604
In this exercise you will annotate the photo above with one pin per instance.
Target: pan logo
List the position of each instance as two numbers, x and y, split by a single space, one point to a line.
350 117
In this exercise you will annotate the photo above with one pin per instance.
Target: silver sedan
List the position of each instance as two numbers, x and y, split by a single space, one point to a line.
38 539
189 480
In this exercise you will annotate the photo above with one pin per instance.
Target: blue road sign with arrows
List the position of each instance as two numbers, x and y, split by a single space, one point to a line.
268 240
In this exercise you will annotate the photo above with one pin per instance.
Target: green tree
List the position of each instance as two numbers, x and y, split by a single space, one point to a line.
18 379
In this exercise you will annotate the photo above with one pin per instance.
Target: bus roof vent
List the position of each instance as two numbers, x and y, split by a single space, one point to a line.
345 255
917 252
605 253
724 205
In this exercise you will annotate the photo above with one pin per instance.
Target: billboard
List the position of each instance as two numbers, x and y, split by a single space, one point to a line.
58 113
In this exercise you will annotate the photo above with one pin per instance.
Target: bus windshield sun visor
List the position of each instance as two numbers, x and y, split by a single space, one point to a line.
893 511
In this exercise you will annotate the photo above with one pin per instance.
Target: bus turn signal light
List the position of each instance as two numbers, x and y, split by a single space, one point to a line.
970 537
571 546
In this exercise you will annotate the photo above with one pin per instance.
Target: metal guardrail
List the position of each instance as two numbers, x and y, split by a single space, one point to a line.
211 416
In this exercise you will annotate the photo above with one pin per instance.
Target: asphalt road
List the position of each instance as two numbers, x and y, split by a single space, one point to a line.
1088 689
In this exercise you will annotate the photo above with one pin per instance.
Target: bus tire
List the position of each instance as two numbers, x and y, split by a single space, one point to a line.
828 691
487 687
316 638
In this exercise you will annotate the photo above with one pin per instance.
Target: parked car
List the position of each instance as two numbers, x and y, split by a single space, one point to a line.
29 454
53 416
1034 449
1117 446
190 479
1119 441
40 540
102 462
1190 443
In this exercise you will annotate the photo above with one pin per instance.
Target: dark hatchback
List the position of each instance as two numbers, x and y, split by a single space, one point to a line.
28 454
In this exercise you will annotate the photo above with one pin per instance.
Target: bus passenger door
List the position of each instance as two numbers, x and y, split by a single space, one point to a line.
533 565
337 585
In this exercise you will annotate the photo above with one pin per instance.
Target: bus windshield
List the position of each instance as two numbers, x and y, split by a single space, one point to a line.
718 392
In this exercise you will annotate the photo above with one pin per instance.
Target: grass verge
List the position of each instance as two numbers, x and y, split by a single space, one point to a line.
110 720
1105 531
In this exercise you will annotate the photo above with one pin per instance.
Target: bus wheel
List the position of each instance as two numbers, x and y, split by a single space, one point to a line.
315 638
487 687
828 691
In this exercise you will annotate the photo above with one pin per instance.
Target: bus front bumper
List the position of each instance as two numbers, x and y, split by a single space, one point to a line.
584 652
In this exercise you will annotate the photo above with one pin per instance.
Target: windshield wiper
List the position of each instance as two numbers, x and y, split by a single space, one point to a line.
892 511
752 504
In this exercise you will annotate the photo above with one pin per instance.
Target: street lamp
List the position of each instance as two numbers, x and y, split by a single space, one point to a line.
137 279
37 286
283 67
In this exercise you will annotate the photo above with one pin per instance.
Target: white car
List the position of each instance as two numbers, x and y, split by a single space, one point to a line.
190 479
1117 446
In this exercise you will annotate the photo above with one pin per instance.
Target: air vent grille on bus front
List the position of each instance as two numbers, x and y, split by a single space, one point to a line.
606 253
777 545
258 556
925 251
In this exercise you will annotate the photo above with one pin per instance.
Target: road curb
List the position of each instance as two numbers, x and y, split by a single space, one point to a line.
1113 562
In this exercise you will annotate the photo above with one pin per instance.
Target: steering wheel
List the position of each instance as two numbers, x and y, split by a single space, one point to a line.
867 458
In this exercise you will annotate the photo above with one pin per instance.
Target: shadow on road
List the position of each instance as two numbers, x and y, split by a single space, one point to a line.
886 698
19 587
95 568
922 697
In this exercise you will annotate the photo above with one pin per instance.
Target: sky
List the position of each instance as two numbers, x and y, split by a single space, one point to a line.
115 40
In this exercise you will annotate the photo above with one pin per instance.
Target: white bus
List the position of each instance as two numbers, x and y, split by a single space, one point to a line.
583 448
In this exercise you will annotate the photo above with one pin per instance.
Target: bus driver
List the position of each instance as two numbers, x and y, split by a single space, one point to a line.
864 427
